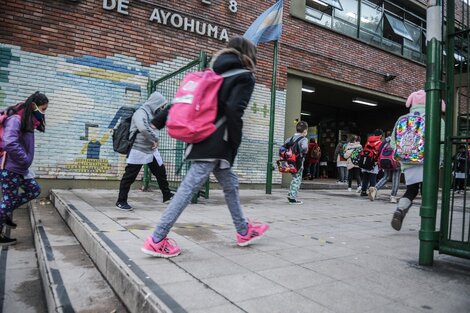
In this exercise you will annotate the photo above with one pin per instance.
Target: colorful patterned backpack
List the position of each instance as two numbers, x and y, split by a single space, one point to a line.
409 137
356 156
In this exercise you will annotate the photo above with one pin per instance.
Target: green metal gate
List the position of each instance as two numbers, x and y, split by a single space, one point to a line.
171 150
454 234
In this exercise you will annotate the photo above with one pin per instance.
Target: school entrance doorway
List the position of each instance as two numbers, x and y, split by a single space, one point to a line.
333 111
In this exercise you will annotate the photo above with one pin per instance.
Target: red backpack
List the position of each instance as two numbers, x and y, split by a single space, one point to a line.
192 115
290 158
369 155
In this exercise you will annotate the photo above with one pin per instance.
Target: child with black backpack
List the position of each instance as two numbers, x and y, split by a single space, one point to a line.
368 163
301 148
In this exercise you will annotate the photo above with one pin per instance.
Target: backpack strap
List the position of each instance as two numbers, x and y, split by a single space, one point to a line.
234 72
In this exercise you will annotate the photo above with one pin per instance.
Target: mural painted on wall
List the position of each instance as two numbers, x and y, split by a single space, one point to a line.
5 58
89 95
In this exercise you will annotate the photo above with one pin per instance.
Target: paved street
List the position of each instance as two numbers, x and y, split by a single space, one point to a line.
335 253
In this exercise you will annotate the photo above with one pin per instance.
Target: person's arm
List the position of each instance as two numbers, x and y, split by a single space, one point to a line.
11 140
335 156
235 106
159 121
141 120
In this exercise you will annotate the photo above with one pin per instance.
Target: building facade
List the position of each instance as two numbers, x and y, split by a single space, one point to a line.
94 59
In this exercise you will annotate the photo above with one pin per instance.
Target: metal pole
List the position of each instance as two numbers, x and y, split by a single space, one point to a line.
428 235
269 168
450 100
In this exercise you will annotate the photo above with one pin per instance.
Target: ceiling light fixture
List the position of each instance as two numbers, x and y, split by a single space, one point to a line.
305 113
365 102
321 3
308 89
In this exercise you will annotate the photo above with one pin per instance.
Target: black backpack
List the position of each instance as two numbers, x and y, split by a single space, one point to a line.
122 143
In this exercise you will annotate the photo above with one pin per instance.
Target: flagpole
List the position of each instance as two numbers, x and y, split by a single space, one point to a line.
269 169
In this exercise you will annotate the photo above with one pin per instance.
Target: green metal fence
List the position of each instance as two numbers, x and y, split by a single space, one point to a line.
171 150
454 234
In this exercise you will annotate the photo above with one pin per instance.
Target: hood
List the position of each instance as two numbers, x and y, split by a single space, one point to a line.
418 99
154 102
226 59
373 138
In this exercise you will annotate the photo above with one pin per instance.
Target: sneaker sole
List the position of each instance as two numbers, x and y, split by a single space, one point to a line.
296 203
121 209
249 242
396 223
158 255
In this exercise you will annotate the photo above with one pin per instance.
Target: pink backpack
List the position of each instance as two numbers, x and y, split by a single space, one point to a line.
387 157
191 118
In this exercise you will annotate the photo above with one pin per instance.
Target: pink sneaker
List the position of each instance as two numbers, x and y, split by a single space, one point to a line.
255 232
166 248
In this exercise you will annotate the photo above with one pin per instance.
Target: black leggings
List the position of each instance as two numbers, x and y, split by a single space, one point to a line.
412 191
131 172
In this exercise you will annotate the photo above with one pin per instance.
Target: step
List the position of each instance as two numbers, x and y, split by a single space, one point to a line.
20 281
70 279
139 292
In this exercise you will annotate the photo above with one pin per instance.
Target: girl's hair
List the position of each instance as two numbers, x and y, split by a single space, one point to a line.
247 50
27 118
354 138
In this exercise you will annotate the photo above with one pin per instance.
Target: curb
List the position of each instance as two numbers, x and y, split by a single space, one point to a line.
131 289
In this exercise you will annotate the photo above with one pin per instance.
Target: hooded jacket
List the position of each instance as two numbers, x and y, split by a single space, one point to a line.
233 98
18 145
144 141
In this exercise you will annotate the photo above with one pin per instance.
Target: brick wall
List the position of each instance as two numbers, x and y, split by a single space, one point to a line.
91 62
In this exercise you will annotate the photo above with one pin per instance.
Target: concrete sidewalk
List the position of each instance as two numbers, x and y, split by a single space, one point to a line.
335 253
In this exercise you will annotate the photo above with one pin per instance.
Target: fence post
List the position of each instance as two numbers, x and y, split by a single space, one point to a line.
427 235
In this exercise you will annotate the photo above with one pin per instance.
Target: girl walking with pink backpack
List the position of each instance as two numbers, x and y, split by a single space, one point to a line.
216 153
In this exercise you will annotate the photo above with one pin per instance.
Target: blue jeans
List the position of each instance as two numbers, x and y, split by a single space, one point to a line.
395 180
192 182
313 169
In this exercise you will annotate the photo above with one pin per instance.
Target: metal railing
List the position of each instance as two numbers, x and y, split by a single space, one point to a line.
172 150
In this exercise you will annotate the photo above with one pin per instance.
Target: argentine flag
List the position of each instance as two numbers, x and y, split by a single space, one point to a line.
268 26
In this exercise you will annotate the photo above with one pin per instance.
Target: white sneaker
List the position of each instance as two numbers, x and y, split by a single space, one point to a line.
349 189
358 189
393 199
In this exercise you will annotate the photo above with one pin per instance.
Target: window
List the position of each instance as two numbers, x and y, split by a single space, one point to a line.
398 27
371 17
383 23
319 13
